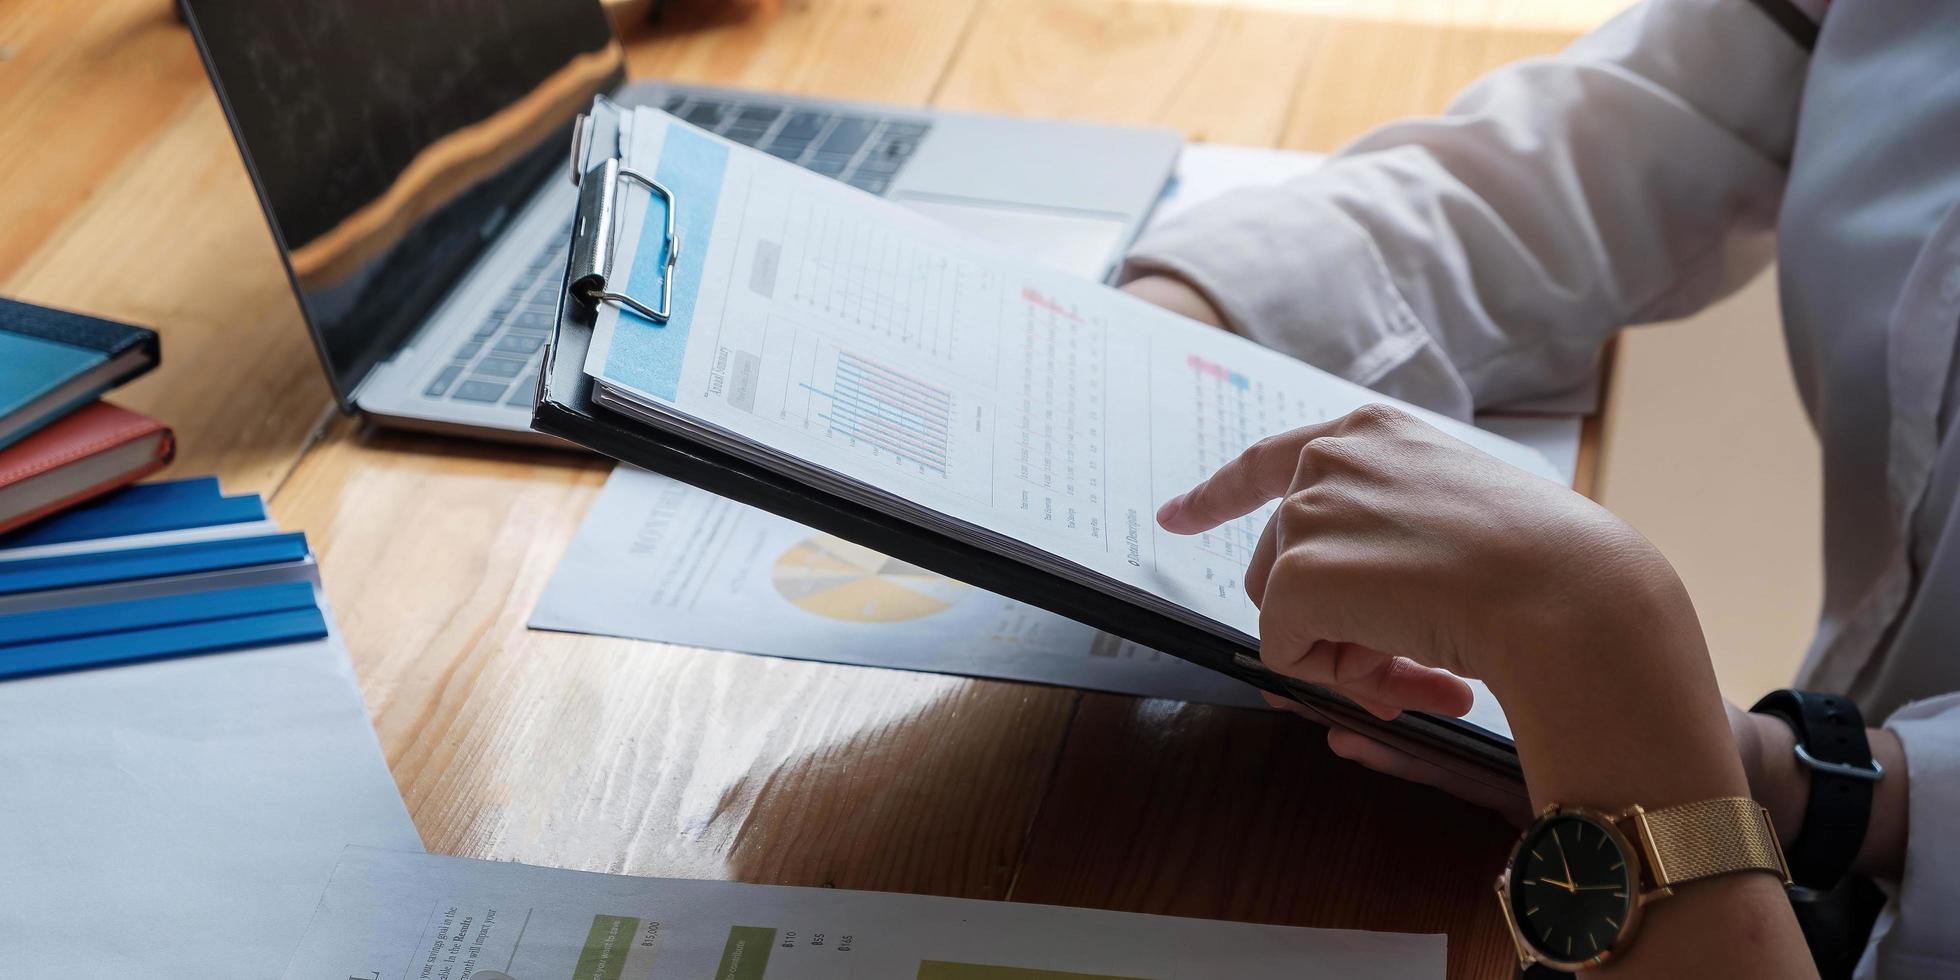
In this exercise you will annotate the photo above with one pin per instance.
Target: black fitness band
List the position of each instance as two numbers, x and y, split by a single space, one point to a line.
1831 743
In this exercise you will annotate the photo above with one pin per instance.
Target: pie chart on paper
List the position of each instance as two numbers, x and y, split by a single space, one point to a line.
833 578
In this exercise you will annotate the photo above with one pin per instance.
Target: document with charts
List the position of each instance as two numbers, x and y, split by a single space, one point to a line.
656 559
875 355
399 916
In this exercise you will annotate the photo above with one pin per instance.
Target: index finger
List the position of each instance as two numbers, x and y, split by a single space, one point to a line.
1262 473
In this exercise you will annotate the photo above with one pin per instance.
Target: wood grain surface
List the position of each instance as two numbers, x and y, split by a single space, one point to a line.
123 195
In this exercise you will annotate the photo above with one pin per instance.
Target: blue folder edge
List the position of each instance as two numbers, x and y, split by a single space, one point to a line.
109 618
106 567
161 642
171 505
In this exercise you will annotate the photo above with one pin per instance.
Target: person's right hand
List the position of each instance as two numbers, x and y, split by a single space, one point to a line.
1394 540
1399 556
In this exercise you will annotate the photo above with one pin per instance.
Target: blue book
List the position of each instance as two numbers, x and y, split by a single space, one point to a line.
142 509
109 618
53 361
130 564
158 642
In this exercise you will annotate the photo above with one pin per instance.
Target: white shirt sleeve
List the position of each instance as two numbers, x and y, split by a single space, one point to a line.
1483 256
1918 934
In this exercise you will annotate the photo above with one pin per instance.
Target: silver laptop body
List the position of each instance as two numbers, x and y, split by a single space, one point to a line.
413 177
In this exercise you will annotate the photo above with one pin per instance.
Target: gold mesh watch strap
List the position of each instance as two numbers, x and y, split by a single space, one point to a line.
1713 837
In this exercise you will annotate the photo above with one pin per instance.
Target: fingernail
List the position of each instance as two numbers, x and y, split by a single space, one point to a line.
1168 513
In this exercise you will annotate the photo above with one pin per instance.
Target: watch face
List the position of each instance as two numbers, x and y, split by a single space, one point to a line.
1572 888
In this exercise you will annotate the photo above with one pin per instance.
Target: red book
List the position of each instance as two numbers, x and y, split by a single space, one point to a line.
91 451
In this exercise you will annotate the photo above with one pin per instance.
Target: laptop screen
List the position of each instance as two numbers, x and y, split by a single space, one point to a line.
392 141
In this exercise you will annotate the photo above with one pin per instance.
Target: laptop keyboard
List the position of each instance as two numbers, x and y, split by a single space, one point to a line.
865 152
499 360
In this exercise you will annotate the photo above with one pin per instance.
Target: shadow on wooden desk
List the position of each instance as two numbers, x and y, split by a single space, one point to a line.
1231 813
1153 806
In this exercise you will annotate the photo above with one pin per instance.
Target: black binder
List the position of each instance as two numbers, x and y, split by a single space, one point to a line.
565 408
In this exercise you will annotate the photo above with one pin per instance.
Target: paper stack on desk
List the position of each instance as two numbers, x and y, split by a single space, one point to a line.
656 559
186 753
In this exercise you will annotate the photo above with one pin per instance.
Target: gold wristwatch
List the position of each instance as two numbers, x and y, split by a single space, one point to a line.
1576 881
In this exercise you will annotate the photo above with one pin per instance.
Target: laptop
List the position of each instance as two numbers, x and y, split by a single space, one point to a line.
412 162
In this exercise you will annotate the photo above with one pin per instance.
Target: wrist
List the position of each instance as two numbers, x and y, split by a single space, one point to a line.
1176 295
1776 779
1616 737
1605 634
1784 785
1617 704
1608 602
1884 852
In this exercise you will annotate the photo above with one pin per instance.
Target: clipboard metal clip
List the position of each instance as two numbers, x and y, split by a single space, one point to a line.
595 236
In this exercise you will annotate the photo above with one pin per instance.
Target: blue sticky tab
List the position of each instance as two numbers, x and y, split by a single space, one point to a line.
162 493
105 567
142 509
647 355
239 633
101 619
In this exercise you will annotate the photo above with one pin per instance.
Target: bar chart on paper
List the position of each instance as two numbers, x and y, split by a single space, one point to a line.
867 405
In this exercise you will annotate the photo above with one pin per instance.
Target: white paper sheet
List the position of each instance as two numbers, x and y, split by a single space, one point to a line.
1206 170
176 819
424 917
882 355
656 559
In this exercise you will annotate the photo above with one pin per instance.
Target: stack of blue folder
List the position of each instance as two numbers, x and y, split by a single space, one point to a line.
154 571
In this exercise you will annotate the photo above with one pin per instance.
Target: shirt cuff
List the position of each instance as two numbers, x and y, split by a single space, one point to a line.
1919 933
1293 272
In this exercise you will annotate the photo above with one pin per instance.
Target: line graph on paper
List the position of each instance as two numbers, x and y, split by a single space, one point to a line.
870 407
1230 412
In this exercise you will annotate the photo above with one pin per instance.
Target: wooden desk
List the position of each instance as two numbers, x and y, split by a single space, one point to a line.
121 194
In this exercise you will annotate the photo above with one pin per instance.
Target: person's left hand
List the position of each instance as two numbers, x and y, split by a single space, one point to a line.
1388 760
1177 296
